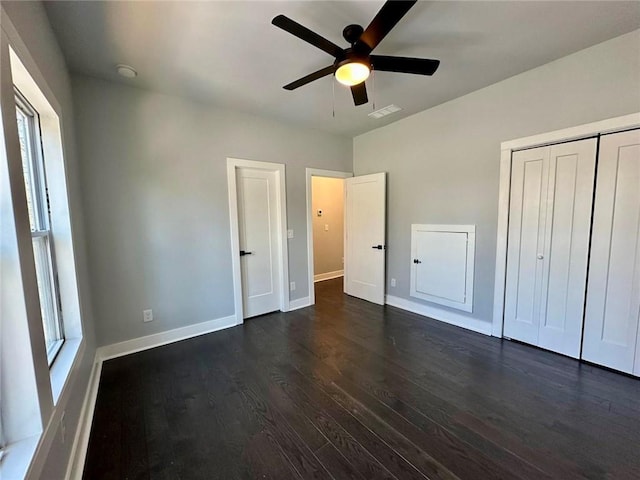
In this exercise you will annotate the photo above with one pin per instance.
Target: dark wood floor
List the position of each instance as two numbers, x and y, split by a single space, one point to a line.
351 390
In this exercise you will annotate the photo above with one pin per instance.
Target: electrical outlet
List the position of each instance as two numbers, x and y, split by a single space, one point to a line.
393 282
147 316
63 426
290 233
292 286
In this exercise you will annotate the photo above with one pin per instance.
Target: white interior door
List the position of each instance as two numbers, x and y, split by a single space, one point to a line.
550 221
365 217
526 244
613 293
258 235
566 251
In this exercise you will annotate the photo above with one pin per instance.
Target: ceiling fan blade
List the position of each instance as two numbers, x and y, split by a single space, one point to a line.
359 93
419 66
303 33
323 72
390 14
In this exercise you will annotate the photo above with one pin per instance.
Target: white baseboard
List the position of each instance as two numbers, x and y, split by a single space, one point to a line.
164 338
328 275
81 439
299 303
440 314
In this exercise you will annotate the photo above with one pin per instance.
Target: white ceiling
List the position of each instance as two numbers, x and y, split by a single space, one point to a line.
228 54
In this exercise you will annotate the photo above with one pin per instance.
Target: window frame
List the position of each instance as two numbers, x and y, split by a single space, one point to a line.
41 228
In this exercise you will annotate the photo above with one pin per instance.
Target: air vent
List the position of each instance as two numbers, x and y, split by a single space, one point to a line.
385 111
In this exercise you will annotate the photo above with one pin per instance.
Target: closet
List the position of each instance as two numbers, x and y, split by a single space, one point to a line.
573 256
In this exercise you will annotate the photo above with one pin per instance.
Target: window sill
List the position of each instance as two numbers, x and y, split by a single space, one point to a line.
63 365
17 457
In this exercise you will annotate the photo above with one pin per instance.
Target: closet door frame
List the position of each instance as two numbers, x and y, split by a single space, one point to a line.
507 148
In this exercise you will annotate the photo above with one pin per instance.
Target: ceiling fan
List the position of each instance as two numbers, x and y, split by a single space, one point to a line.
353 65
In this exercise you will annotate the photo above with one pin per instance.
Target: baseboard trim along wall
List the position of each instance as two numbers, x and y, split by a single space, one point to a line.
440 314
299 303
328 275
164 338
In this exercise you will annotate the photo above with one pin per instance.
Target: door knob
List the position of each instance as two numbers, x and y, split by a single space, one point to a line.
540 256
416 261
243 253
379 247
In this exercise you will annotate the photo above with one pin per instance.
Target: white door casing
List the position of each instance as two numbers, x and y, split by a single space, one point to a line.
613 293
262 174
365 227
550 219
258 234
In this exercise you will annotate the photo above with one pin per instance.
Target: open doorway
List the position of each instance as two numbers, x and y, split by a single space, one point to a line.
325 226
327 213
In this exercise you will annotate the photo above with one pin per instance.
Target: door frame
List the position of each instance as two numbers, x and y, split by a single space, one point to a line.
316 172
610 125
281 217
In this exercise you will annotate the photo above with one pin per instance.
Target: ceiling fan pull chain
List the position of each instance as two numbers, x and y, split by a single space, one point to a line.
333 105
373 81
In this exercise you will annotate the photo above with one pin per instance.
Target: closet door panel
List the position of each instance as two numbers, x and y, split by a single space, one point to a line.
526 240
613 295
567 231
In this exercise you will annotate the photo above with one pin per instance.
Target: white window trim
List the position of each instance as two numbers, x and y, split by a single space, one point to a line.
51 130
43 392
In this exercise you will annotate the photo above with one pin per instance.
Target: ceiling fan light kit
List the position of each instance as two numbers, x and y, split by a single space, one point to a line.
353 65
352 73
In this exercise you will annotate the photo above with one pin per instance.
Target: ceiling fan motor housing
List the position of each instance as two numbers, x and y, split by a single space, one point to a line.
351 33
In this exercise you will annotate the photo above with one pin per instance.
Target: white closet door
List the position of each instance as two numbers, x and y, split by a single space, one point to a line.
613 294
549 225
526 242
566 250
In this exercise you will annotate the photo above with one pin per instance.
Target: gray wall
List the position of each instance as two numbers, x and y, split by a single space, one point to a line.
328 245
443 163
156 201
31 23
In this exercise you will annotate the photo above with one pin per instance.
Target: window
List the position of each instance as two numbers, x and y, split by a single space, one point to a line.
40 220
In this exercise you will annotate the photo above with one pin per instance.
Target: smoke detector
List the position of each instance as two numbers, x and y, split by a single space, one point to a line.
126 71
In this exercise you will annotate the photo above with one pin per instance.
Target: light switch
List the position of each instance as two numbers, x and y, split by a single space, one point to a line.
290 233
326 227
